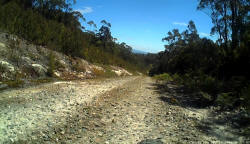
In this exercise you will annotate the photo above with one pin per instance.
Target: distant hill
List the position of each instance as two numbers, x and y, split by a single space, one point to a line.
138 51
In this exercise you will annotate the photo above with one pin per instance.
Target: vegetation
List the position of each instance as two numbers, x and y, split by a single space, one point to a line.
51 64
215 68
54 24
163 77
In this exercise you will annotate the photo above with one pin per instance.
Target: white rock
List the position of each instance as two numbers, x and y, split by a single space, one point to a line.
57 74
27 60
120 71
7 66
62 62
2 45
39 69
97 67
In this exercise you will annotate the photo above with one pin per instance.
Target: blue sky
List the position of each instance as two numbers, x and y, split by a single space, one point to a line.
143 23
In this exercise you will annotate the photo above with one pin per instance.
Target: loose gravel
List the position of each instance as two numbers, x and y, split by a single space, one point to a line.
112 111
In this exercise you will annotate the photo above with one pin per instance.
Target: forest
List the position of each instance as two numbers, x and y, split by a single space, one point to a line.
54 24
219 69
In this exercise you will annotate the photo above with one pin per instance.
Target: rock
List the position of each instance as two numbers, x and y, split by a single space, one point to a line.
56 73
120 71
6 67
62 62
39 69
2 45
27 60
2 48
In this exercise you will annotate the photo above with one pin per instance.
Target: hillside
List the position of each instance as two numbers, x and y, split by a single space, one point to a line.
56 26
23 63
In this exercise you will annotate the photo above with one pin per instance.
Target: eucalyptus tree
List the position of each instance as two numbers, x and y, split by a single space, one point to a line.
92 24
229 18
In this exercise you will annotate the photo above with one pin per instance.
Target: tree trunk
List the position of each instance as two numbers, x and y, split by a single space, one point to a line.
225 27
233 6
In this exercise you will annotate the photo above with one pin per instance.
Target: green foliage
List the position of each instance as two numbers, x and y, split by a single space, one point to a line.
2 69
13 55
109 73
226 100
16 82
105 73
177 78
206 96
79 67
41 81
209 84
217 69
51 65
245 97
190 82
163 77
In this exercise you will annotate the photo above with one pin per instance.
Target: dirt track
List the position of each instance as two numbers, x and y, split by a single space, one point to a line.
112 111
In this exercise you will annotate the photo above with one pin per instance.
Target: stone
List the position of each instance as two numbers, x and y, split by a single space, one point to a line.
27 60
39 69
7 67
2 45
56 73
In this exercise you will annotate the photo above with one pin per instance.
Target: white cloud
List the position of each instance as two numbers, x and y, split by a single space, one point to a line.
85 10
180 23
204 34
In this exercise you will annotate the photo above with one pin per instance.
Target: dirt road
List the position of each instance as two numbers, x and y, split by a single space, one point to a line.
113 111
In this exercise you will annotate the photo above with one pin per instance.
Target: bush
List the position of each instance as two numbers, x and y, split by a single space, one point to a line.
14 56
245 97
79 66
14 83
209 84
51 65
177 78
163 77
225 100
190 82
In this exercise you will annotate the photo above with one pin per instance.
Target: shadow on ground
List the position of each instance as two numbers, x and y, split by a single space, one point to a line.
225 126
179 95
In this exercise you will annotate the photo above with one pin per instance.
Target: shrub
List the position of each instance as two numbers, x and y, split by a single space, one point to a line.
245 97
110 73
190 82
177 78
51 65
225 100
16 82
209 84
2 69
163 77
13 46
79 67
